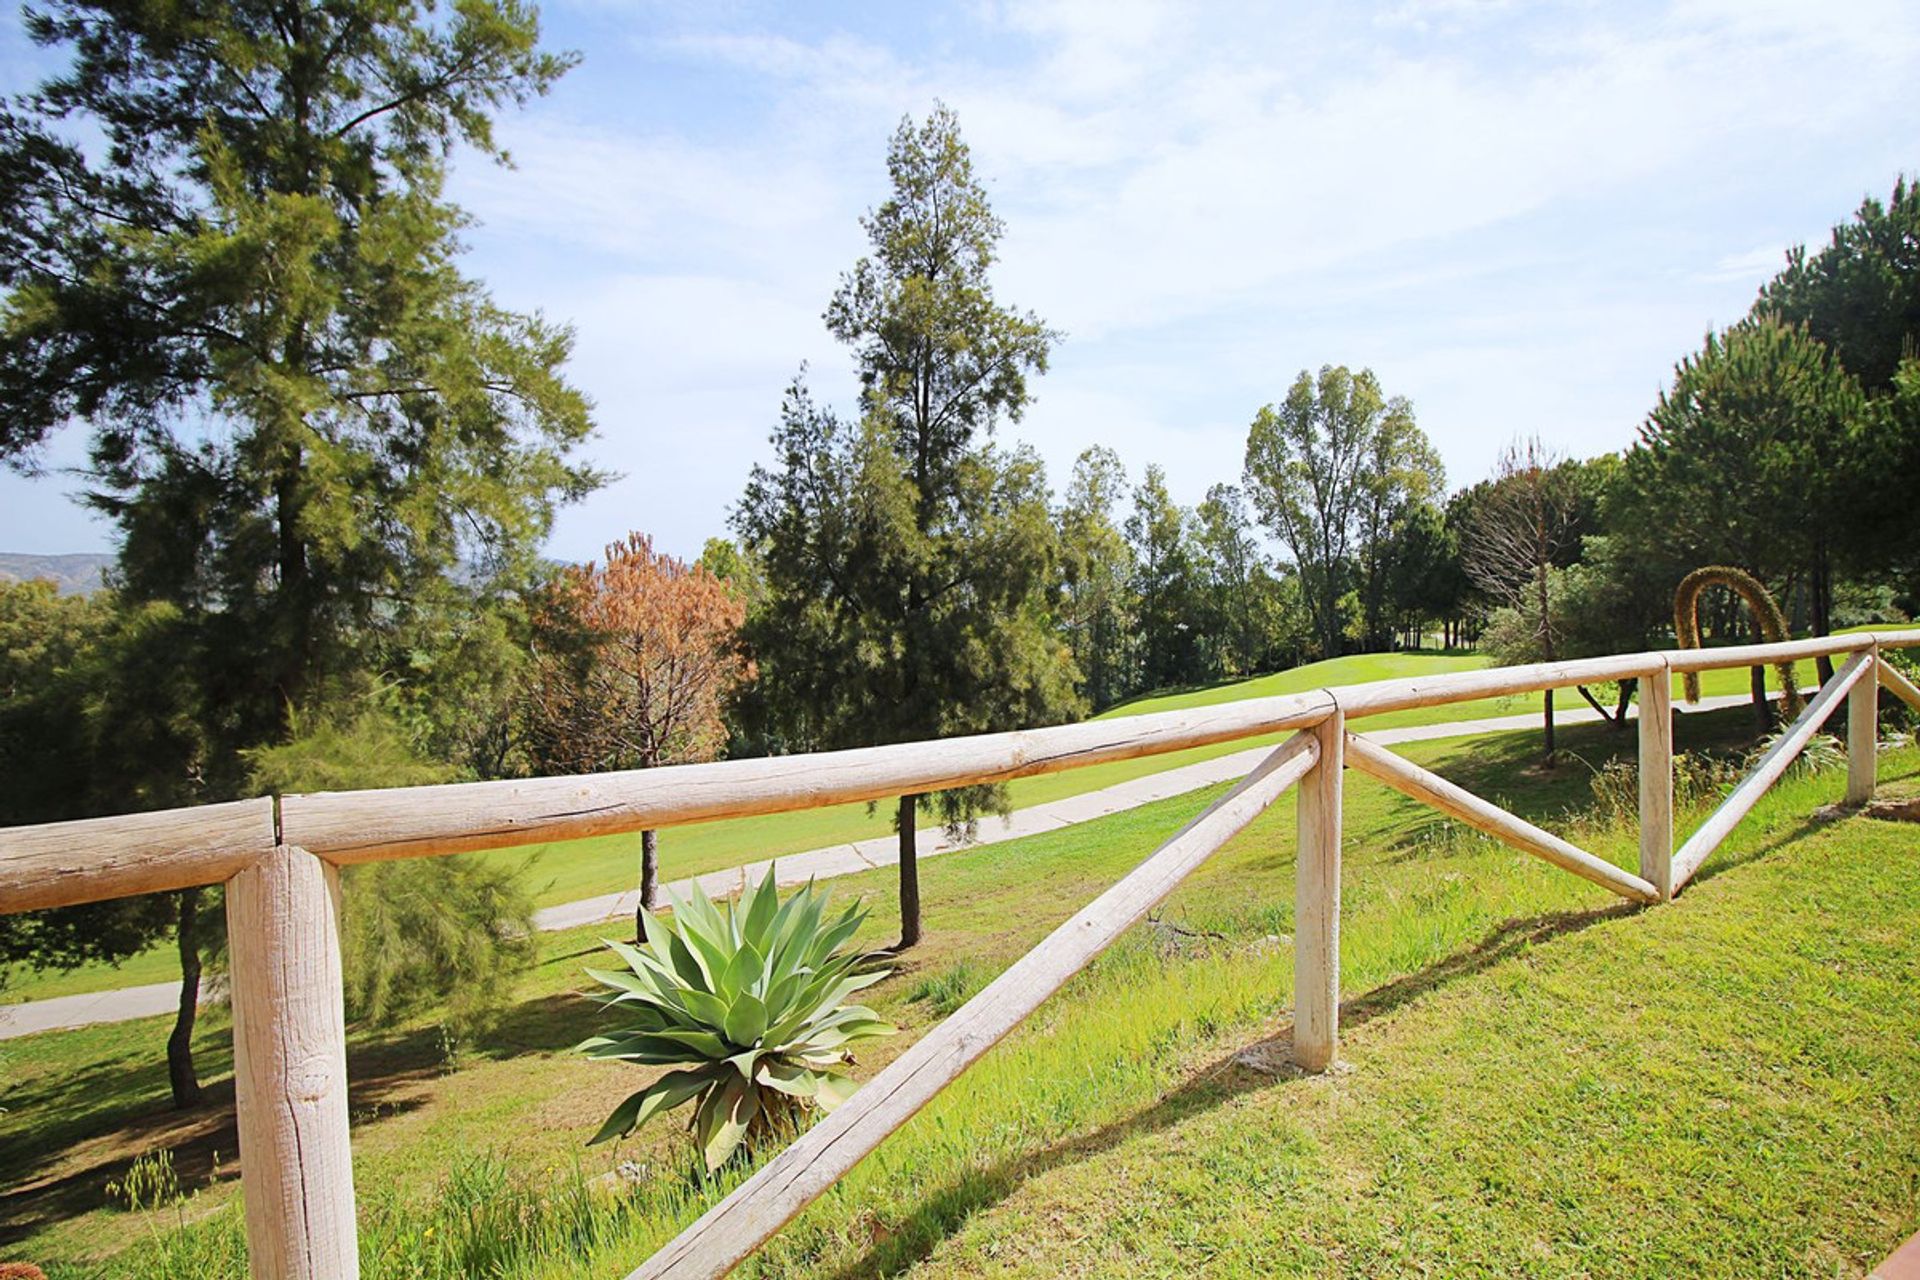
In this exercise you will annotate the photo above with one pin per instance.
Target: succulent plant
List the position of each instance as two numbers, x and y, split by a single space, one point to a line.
746 1002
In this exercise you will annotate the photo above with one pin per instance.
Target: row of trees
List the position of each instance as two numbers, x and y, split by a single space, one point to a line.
332 460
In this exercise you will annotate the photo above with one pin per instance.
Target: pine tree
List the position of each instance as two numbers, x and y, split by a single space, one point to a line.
909 562
229 254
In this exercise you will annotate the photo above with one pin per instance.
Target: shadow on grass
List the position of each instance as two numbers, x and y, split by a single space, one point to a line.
202 1140
106 1116
898 1247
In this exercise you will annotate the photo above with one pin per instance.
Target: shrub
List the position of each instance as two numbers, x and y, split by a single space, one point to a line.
745 1003
415 933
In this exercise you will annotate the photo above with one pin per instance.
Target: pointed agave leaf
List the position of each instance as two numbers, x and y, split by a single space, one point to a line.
791 951
830 939
843 1033
780 998
699 915
723 1118
628 986
710 1011
743 973
691 965
788 1078
714 957
819 1000
746 1021
834 1090
782 919
756 929
704 1044
669 1091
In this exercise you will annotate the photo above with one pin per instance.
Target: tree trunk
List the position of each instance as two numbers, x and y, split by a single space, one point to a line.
1757 681
1822 608
909 875
180 1072
1627 690
649 882
1549 727
1595 704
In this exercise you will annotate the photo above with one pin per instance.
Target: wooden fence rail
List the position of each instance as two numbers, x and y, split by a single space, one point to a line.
281 860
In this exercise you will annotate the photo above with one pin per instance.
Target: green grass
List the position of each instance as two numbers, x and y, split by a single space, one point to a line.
1543 1082
571 870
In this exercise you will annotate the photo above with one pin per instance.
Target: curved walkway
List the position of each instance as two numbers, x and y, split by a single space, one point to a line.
128 1003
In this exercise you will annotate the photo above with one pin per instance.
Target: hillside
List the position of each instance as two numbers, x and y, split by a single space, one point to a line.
1723 1087
77 574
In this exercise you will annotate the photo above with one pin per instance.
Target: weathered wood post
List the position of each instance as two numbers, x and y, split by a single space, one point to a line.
290 1068
1316 902
1656 781
1863 733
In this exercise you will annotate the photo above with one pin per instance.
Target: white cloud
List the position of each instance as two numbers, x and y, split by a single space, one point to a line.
1520 215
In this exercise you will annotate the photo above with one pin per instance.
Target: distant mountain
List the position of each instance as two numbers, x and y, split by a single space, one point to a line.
76 575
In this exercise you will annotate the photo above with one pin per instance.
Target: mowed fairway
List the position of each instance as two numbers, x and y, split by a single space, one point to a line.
1542 1081
566 872
570 870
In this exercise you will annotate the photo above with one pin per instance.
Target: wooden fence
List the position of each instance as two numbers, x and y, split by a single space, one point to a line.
280 861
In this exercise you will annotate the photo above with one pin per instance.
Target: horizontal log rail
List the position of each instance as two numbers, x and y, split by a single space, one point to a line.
58 864
281 860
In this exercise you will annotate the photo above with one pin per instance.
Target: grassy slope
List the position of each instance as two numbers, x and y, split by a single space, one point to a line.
1461 956
565 872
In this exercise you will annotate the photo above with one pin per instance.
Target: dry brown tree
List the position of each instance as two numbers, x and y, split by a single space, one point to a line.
634 661
1525 525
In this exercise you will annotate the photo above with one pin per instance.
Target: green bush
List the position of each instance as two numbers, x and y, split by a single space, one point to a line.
419 932
745 1003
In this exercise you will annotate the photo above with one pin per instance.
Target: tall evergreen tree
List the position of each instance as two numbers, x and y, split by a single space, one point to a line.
1753 458
229 254
1165 584
1096 606
1233 579
909 563
1859 294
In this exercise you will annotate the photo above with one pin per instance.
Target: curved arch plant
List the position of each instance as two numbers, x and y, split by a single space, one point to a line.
1766 611
745 1002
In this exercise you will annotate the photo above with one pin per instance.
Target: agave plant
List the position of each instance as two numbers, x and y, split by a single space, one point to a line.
745 1001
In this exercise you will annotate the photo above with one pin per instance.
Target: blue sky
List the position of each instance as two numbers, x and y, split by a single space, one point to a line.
1520 216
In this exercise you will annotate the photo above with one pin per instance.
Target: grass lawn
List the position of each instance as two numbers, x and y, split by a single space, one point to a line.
571 870
1541 1081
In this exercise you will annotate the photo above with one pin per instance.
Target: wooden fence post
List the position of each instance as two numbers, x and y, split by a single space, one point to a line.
290 1068
1863 734
1316 902
1656 782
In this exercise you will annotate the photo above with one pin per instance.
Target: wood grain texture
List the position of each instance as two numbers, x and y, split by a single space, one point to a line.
1316 901
1656 784
1895 682
290 1068
347 827
1382 696
1760 655
757 1208
1863 736
1457 802
57 864
1720 824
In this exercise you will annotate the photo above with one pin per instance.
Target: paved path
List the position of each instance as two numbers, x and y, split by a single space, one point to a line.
127 1003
